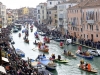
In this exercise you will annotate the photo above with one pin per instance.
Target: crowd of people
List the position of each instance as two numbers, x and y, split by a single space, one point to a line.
16 65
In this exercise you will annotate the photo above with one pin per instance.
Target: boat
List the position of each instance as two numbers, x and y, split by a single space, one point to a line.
92 70
26 40
46 40
41 68
42 34
94 52
12 42
15 30
60 61
83 56
50 65
20 52
45 50
36 35
35 43
59 40
72 55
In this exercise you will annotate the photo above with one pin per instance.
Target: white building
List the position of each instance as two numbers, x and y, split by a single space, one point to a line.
41 12
3 14
62 13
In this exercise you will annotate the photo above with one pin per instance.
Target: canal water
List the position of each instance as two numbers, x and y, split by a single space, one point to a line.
69 68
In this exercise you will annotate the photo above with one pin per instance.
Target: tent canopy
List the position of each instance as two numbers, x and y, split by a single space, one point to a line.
5 59
2 69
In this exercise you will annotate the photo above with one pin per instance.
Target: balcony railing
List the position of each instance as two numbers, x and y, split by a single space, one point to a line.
90 21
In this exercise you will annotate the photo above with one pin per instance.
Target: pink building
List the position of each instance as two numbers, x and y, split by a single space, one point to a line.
84 20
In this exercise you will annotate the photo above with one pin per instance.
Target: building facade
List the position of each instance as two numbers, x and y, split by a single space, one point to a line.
2 15
41 13
53 16
84 20
62 14
35 14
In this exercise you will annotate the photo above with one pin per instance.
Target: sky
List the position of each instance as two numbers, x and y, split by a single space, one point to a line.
13 4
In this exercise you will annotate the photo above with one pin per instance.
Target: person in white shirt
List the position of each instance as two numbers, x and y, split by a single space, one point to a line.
78 51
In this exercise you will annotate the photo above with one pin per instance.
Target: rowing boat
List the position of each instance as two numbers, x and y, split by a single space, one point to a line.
92 70
60 61
84 56
44 50
72 55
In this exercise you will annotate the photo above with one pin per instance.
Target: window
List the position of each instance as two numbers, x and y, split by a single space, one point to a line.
96 35
49 12
50 3
83 15
87 26
38 11
50 17
87 36
55 15
92 27
84 35
55 21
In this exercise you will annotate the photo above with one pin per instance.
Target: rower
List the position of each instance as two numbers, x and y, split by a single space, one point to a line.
53 56
69 53
35 41
64 51
43 55
61 43
59 57
19 34
82 63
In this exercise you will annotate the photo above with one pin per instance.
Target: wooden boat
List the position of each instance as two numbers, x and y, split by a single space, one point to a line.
20 52
46 41
25 40
35 43
92 70
83 56
45 50
72 55
60 61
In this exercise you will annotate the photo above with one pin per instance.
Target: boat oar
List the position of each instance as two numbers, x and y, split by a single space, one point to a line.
34 49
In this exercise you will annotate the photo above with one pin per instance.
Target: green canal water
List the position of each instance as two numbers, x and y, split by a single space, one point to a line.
69 68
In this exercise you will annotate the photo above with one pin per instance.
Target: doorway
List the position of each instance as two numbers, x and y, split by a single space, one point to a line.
74 34
92 37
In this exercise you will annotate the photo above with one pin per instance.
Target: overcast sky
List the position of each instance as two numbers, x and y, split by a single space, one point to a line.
13 4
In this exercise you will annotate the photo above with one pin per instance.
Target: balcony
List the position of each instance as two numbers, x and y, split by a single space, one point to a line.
90 21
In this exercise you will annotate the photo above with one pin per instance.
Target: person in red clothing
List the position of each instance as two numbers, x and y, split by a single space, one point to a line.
61 43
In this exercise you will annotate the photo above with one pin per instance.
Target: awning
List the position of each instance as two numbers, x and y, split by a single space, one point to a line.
5 59
2 69
34 63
